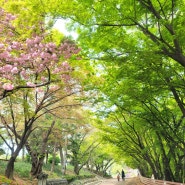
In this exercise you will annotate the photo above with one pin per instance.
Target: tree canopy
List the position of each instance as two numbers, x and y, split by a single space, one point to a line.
131 68
139 49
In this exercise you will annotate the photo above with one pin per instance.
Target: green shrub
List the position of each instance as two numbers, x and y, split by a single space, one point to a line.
57 169
3 165
57 160
22 169
71 178
2 151
28 158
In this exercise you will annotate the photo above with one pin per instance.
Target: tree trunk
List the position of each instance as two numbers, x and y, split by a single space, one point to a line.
23 153
54 156
37 158
37 163
76 169
46 159
10 166
63 160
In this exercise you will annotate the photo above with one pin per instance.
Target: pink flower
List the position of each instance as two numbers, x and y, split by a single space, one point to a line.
15 45
43 79
29 42
30 84
37 39
8 86
54 56
14 70
39 90
7 68
24 75
65 65
10 17
65 77
56 70
1 45
54 87
5 55
10 34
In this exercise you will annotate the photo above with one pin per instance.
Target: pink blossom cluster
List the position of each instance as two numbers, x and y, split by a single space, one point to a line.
21 61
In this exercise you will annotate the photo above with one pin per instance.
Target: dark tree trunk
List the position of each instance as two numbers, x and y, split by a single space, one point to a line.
10 166
46 157
37 159
76 169
37 163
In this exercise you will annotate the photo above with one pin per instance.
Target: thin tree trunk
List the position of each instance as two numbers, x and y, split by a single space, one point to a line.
46 159
63 160
54 156
23 153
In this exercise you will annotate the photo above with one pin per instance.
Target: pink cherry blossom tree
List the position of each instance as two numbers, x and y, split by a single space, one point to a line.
33 69
21 60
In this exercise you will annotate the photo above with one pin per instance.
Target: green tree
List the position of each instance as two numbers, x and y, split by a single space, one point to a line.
80 147
140 46
145 117
101 159
1 148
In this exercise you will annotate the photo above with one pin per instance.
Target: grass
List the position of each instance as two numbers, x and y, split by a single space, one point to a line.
3 167
22 170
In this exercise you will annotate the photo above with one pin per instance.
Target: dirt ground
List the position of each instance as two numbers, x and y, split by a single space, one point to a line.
19 181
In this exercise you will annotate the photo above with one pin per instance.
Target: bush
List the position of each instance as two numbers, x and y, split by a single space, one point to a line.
71 178
3 165
57 160
2 152
28 158
22 169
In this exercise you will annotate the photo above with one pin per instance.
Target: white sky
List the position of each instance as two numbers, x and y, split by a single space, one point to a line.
60 25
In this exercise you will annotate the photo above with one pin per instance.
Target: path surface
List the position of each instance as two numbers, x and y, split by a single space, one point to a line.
131 181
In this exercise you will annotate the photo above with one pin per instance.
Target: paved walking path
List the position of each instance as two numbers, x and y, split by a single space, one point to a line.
131 181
